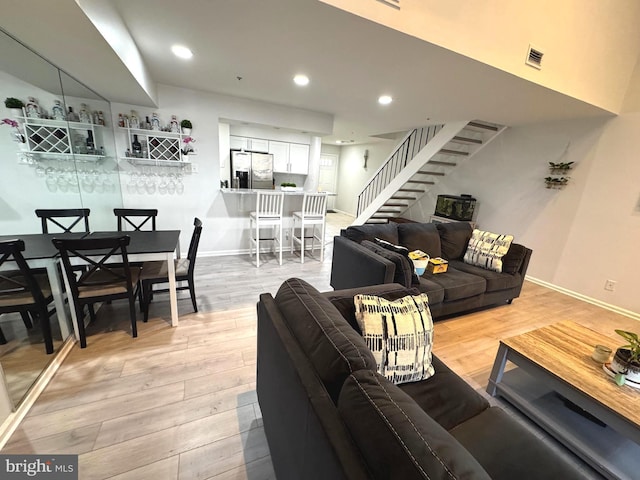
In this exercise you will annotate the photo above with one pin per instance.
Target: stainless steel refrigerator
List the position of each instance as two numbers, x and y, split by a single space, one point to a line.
252 170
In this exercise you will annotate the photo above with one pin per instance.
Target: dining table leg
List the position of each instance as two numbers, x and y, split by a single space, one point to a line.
55 282
173 296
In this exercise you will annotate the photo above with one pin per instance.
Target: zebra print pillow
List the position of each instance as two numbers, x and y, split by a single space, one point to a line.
399 334
486 249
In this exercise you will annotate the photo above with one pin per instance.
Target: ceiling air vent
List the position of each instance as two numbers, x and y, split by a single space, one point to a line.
534 57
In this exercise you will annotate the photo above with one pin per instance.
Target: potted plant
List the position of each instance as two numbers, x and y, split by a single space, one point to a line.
15 105
626 361
188 147
556 182
186 126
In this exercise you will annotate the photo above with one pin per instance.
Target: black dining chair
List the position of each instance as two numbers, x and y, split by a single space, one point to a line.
102 280
157 272
72 217
24 292
136 218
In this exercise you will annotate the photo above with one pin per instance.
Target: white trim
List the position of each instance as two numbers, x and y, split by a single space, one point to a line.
584 298
12 422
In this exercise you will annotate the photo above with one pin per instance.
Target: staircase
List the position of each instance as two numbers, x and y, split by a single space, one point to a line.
420 161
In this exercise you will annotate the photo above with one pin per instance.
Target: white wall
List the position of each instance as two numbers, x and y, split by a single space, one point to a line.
224 216
352 176
581 235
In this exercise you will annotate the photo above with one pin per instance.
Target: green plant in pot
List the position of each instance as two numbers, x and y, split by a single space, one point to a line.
626 361
11 102
186 126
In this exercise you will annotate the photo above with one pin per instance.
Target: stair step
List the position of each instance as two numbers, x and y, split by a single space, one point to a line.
387 204
383 215
423 182
404 198
445 164
371 220
466 140
415 190
387 210
483 126
446 151
427 172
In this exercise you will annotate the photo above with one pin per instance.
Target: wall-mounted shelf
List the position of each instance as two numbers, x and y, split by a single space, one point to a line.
60 139
158 147
156 163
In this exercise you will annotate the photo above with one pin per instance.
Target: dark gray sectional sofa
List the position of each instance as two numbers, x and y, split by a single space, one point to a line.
328 415
358 261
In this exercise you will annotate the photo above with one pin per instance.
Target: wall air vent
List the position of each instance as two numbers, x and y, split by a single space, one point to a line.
391 3
534 57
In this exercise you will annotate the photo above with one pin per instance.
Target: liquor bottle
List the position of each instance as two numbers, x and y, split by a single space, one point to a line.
91 149
175 127
57 110
134 122
120 120
32 108
136 147
147 123
101 118
96 118
72 116
155 122
84 115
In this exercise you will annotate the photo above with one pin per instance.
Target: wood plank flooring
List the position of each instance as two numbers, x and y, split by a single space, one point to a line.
180 403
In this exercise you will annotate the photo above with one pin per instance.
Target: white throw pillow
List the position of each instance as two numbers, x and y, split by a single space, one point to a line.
400 335
486 249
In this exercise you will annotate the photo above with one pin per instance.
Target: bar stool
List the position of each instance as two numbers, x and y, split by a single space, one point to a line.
313 214
268 213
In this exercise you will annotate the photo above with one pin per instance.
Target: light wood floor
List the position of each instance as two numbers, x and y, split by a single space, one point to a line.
180 403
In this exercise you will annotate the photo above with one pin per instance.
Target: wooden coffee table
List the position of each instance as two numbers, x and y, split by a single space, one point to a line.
554 362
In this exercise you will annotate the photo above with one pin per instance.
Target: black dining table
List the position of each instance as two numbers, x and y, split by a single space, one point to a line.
144 246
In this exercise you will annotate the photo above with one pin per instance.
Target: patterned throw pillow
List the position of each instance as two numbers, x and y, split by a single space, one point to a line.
400 335
486 249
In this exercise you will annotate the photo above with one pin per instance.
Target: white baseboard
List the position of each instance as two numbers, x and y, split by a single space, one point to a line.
13 420
584 298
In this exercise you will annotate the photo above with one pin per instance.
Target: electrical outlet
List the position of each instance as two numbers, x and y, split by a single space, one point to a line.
610 285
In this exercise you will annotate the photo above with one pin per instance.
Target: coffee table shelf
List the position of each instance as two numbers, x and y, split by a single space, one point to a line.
557 359
604 449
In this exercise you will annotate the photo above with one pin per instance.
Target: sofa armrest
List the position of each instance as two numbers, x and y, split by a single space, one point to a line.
355 266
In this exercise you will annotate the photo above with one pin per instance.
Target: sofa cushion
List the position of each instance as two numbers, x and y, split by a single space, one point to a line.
446 397
334 348
404 251
495 281
404 267
454 237
507 450
486 249
434 291
385 231
457 284
420 236
399 333
512 260
396 437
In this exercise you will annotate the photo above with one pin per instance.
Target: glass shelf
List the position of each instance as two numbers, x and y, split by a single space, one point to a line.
81 157
158 163
152 133
59 123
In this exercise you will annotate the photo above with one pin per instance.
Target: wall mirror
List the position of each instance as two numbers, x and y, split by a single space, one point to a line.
63 156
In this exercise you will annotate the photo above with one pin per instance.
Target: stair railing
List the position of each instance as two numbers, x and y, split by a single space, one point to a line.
408 148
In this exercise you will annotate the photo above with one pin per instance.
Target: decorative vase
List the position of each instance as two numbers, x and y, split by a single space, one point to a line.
620 364
186 131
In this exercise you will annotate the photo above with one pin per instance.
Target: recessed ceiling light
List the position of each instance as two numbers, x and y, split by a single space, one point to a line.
385 99
182 51
301 80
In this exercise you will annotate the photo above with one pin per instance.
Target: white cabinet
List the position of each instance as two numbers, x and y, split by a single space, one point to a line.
251 144
280 152
299 158
290 157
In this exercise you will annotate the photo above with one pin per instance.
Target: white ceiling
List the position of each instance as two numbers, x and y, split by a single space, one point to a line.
350 61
